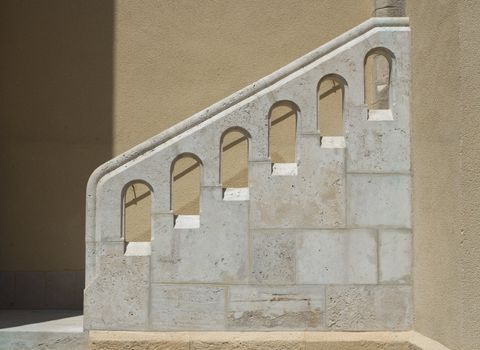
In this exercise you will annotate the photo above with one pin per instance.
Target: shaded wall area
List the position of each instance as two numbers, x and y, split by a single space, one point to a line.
446 163
55 128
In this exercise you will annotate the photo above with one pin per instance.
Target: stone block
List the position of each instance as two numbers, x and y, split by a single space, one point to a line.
369 308
375 146
206 255
258 307
187 307
273 257
337 257
312 198
395 256
379 200
216 252
118 298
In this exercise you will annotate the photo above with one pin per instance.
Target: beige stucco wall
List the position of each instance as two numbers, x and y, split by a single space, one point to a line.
446 163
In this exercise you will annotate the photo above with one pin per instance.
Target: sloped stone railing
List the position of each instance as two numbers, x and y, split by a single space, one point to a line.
322 244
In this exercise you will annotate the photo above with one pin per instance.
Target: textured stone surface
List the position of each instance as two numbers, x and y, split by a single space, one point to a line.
337 257
313 198
379 200
395 256
378 146
364 308
256 308
180 307
273 257
217 251
119 296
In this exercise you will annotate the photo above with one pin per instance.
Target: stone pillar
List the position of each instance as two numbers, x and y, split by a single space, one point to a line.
389 8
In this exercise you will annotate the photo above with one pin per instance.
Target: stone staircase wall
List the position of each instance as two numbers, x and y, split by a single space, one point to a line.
320 244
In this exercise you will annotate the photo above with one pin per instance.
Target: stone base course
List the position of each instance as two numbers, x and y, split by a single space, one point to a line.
109 340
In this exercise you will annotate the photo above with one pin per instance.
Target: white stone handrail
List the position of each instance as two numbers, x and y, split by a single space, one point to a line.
227 102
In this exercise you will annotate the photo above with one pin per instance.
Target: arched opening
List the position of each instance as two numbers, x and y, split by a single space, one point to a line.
378 68
137 208
331 95
283 132
185 189
234 164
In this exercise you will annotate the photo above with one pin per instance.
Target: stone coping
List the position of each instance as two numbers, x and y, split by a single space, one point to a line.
112 340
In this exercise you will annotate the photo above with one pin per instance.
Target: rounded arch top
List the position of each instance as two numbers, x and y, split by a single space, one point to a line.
335 77
238 129
186 155
134 182
382 51
284 103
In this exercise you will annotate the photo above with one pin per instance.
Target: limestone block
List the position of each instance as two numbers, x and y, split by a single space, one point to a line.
273 257
187 307
313 198
364 308
236 194
257 308
216 252
206 255
395 256
118 297
376 146
109 222
379 200
164 241
337 257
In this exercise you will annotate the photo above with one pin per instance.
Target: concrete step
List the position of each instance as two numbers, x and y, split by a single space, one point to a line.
42 330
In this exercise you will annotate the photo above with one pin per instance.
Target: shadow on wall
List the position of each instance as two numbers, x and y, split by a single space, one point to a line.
55 129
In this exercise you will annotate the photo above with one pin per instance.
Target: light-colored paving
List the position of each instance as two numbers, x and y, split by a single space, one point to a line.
42 329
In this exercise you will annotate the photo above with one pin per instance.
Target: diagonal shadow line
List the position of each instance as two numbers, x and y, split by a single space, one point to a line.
283 117
137 199
234 143
186 171
330 91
